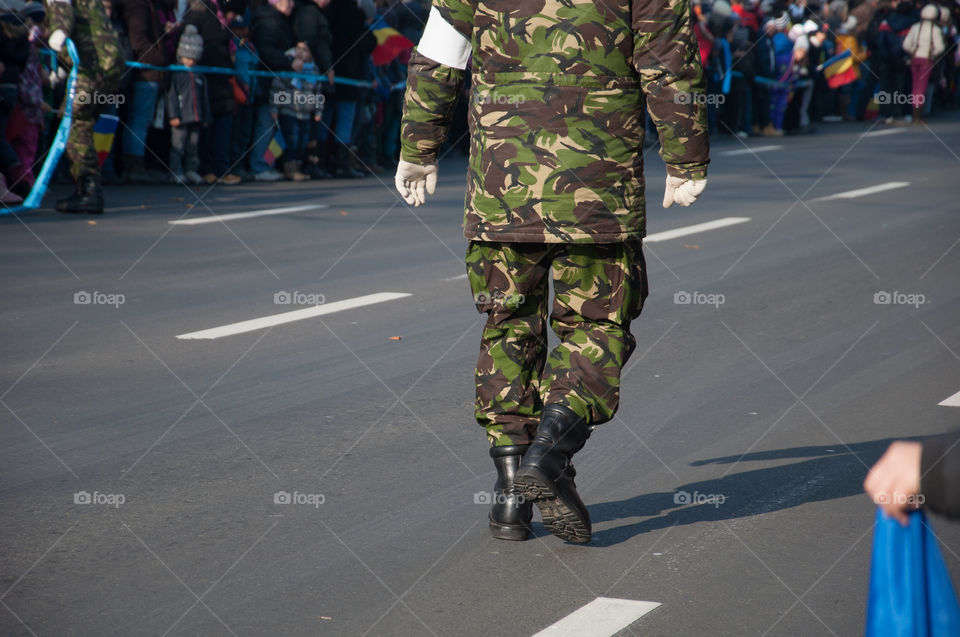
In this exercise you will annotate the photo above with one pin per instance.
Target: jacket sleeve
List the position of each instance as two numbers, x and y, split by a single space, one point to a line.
59 16
173 103
940 474
140 21
435 76
666 55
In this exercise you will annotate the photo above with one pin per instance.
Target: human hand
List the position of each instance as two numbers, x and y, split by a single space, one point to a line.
175 122
894 481
682 191
413 181
57 38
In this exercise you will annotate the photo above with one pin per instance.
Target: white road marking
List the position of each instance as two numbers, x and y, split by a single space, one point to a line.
694 229
882 132
456 278
863 192
603 617
196 221
953 401
290 317
750 151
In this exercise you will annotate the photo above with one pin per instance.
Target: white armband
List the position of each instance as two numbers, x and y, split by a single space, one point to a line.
442 43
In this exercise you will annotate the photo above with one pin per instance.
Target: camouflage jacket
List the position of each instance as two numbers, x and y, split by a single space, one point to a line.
87 24
558 96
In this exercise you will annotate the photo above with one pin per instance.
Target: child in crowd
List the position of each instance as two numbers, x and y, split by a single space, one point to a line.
245 59
188 109
298 103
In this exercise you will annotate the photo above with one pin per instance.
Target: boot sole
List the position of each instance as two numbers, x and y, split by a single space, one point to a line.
513 532
559 518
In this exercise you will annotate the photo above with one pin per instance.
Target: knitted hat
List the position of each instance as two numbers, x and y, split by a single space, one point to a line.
930 12
368 7
191 44
721 8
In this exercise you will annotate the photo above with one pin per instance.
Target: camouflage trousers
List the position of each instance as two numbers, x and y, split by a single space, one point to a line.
598 290
98 81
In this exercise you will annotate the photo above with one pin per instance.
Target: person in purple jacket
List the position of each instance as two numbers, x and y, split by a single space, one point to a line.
188 110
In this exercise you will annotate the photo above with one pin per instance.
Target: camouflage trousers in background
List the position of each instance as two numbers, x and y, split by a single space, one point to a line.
598 289
88 105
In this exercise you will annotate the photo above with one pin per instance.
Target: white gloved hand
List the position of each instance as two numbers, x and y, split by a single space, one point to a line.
682 191
57 38
57 75
414 181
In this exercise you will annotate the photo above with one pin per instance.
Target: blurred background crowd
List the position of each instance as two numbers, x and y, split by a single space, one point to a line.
764 62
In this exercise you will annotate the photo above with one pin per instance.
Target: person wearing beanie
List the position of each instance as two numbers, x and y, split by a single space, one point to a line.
188 109
924 43
99 73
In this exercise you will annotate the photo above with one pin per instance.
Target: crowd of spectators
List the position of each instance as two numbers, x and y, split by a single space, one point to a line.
761 57
764 57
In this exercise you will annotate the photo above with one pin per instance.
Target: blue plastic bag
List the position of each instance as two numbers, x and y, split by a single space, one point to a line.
910 590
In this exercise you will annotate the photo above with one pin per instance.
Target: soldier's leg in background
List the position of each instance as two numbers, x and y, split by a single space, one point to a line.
598 290
80 148
509 283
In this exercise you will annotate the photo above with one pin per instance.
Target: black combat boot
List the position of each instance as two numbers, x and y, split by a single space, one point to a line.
511 513
546 474
87 198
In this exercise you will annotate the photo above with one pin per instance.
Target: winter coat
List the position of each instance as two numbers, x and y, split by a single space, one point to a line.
298 98
890 38
216 52
310 26
924 40
557 112
187 98
272 36
14 49
144 31
353 42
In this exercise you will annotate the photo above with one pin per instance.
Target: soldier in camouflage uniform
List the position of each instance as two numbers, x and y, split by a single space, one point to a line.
98 79
555 190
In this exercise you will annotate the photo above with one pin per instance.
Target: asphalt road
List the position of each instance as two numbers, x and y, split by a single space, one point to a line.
773 391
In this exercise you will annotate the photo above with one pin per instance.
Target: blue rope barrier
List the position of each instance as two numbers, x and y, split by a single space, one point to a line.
220 70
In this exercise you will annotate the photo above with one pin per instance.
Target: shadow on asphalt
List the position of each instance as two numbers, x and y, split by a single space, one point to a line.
829 472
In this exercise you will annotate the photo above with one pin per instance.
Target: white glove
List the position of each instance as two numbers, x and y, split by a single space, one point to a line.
57 75
413 179
682 191
57 38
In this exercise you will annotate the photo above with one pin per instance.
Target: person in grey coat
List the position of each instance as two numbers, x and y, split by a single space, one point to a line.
188 109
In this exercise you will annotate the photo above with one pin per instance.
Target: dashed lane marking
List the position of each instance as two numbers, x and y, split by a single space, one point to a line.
290 317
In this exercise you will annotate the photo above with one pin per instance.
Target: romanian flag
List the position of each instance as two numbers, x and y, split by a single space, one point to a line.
390 43
847 68
103 132
275 149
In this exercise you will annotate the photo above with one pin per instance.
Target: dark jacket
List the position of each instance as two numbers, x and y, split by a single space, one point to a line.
14 49
187 98
145 32
890 38
272 36
940 471
216 52
353 42
310 26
